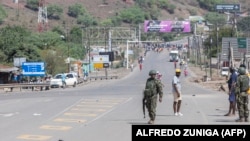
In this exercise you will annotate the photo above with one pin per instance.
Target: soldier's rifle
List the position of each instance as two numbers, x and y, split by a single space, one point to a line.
143 106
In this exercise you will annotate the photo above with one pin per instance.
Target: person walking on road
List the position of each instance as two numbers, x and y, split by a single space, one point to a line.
159 77
185 72
140 65
231 87
242 86
175 64
152 89
132 67
176 90
63 80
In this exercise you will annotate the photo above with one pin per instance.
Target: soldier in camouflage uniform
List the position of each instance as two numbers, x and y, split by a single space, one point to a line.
152 89
242 85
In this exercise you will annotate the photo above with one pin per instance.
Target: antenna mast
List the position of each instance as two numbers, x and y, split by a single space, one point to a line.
42 16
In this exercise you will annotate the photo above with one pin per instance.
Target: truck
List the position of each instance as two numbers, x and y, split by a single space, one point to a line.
174 55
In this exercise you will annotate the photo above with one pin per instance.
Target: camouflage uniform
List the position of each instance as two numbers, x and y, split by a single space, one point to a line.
242 99
151 102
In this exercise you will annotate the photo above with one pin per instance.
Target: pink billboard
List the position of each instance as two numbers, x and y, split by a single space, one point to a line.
167 26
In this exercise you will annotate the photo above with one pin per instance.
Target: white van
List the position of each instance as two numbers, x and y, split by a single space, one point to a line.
174 56
225 71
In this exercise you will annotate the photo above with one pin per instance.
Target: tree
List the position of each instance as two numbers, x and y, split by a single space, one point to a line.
77 45
224 31
32 4
76 10
55 62
15 43
3 15
243 26
132 15
215 18
46 40
154 12
209 4
86 20
54 11
106 22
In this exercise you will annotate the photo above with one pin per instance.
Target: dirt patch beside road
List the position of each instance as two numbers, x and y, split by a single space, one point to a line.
119 72
217 82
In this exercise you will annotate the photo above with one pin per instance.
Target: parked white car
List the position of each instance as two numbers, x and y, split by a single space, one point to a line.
56 81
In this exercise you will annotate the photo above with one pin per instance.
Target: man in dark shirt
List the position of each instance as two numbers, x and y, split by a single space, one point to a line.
231 86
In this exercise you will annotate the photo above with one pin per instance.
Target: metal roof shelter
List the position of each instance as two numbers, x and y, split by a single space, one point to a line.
8 69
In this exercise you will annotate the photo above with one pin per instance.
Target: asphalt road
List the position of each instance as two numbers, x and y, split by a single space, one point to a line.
105 110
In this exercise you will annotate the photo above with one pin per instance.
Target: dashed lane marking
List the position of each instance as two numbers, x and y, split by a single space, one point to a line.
53 127
95 106
101 102
87 109
80 114
70 120
34 137
84 109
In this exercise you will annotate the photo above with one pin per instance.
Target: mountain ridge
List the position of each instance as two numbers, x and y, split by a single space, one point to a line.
18 14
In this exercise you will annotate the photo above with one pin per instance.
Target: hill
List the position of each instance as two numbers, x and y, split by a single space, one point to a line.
18 14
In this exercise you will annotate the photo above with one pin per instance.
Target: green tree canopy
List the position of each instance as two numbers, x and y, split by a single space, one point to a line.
14 43
132 15
76 10
3 14
243 26
54 11
86 20
215 18
32 4
210 4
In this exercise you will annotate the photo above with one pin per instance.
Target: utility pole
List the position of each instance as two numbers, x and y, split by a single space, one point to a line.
139 35
199 51
194 43
89 49
67 40
188 53
217 49
210 57
230 55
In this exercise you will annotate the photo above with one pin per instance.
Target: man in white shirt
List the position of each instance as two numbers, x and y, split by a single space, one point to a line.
176 90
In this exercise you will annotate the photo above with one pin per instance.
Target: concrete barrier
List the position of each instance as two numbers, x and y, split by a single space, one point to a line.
11 86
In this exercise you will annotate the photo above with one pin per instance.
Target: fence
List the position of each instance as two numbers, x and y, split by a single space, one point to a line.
11 86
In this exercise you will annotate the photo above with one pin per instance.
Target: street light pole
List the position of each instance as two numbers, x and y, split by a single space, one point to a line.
67 34
210 55
217 49
89 50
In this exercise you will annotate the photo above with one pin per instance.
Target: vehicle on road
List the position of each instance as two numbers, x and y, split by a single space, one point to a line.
174 56
225 71
56 81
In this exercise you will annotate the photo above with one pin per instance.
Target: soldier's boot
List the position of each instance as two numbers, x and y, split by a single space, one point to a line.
151 121
241 119
246 119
